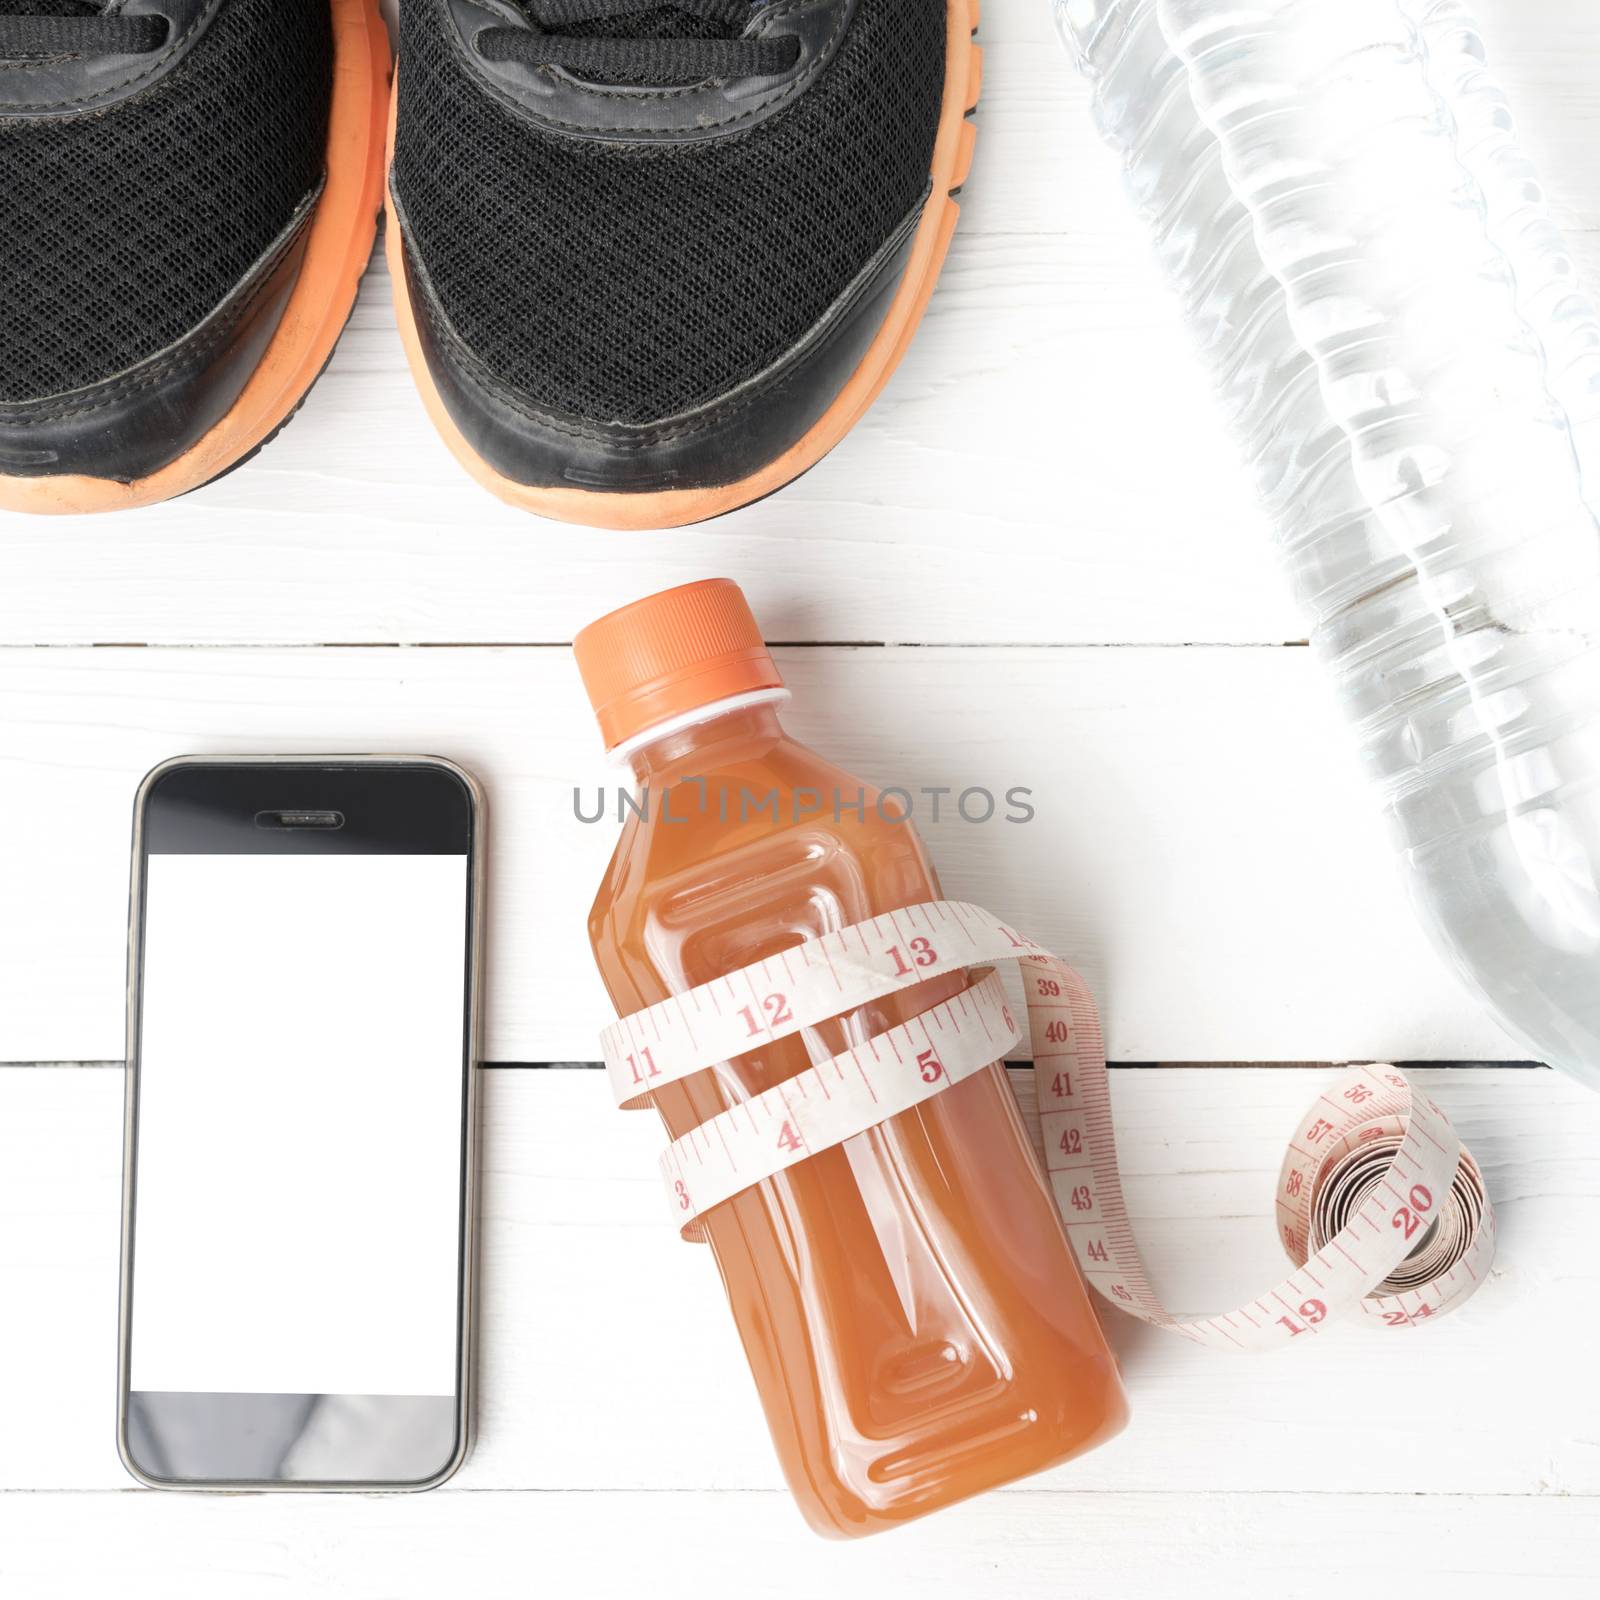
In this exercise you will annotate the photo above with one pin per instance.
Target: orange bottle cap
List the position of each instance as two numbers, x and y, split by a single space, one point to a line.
672 653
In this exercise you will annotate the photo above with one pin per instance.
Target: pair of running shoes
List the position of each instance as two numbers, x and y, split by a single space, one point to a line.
651 259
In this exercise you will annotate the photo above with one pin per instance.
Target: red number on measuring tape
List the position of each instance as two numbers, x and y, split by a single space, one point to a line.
1061 1086
788 1139
1008 1019
682 1193
1120 1292
1296 1182
922 953
1314 1311
1082 1200
1358 1092
1097 1250
931 1067
1057 1033
1403 1319
775 1004
1409 1217
1071 1142
651 1070
1318 1131
1049 986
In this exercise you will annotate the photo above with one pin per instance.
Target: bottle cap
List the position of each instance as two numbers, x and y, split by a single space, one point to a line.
672 653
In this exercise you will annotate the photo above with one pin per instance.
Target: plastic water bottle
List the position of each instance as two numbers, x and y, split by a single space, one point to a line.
1396 329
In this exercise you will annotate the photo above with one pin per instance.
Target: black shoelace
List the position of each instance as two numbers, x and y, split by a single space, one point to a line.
640 59
83 31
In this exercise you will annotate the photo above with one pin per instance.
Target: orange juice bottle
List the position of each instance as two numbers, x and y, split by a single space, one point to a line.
908 1301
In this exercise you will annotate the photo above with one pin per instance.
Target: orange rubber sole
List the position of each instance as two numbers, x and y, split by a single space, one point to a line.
675 508
338 249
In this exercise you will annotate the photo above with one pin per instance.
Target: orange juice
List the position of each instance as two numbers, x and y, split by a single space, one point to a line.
908 1301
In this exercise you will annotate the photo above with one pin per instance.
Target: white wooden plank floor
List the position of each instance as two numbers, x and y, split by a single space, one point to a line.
1473 1437
1203 846
1042 511
1045 467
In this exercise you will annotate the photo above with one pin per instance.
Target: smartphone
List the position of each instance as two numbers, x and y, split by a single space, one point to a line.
298 1172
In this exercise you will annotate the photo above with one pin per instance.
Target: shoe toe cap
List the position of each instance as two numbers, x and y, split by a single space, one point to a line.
722 441
134 423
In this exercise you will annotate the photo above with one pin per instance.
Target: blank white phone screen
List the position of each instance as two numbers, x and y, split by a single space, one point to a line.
298 1180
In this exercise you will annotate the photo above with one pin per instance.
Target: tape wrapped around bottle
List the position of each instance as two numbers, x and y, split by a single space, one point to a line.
1381 1211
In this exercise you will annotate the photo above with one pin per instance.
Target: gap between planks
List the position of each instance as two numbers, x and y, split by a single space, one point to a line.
658 1492
566 644
1011 1066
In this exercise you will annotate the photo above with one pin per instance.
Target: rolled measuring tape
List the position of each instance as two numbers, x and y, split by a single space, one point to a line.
1381 1211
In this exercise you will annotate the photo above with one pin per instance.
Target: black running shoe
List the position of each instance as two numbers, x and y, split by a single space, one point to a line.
653 260
189 191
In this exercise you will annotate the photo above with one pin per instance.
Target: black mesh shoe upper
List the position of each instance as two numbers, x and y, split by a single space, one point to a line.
123 228
633 282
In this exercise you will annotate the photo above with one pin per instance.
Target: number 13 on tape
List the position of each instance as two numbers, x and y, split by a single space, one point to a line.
1380 1210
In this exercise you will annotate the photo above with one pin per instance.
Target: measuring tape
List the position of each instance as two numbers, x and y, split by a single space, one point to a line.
1379 1208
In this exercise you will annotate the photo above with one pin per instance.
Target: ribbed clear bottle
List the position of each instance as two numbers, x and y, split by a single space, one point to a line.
1400 340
